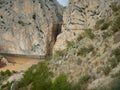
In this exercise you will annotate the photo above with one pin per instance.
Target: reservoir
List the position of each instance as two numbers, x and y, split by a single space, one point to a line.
18 63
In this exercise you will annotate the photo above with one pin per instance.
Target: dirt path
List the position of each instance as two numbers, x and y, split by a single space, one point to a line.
19 63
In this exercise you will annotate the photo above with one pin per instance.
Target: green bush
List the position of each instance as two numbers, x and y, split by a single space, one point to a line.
42 78
85 50
105 26
114 63
106 70
28 78
60 53
6 73
115 85
99 23
83 82
61 83
115 7
84 79
116 75
116 24
21 23
100 88
116 59
39 76
106 34
4 76
47 58
89 34
6 86
116 52
1 57
70 44
80 37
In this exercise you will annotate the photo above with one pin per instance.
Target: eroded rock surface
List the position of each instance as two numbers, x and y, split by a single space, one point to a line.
81 15
26 25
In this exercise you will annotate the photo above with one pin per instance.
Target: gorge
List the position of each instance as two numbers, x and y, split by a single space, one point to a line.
79 44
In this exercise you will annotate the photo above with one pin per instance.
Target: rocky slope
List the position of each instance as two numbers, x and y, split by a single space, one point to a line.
81 15
89 45
26 26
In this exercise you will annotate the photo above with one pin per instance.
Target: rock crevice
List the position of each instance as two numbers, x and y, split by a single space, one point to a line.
56 30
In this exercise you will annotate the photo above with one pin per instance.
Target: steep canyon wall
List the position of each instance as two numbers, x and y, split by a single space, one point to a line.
81 15
26 25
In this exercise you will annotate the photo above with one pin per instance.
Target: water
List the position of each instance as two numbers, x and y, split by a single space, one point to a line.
19 63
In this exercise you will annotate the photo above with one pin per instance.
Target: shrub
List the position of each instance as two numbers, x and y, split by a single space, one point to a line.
47 58
116 52
6 86
106 70
85 50
42 78
106 34
80 37
1 57
21 23
61 83
70 44
116 75
89 34
6 73
99 23
90 48
114 63
84 79
115 7
116 59
41 83
115 85
105 26
39 76
28 78
60 53
116 24
100 88
76 86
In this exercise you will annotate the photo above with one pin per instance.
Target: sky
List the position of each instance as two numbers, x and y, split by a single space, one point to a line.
63 2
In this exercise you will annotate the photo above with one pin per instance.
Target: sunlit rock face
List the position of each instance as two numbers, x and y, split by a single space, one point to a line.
26 25
81 15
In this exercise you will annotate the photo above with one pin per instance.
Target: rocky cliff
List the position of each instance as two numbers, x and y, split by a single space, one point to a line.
81 15
26 26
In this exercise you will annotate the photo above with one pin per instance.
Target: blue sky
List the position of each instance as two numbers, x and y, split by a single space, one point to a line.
63 2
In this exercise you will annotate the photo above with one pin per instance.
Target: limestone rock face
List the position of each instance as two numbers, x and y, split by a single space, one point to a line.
26 25
81 15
